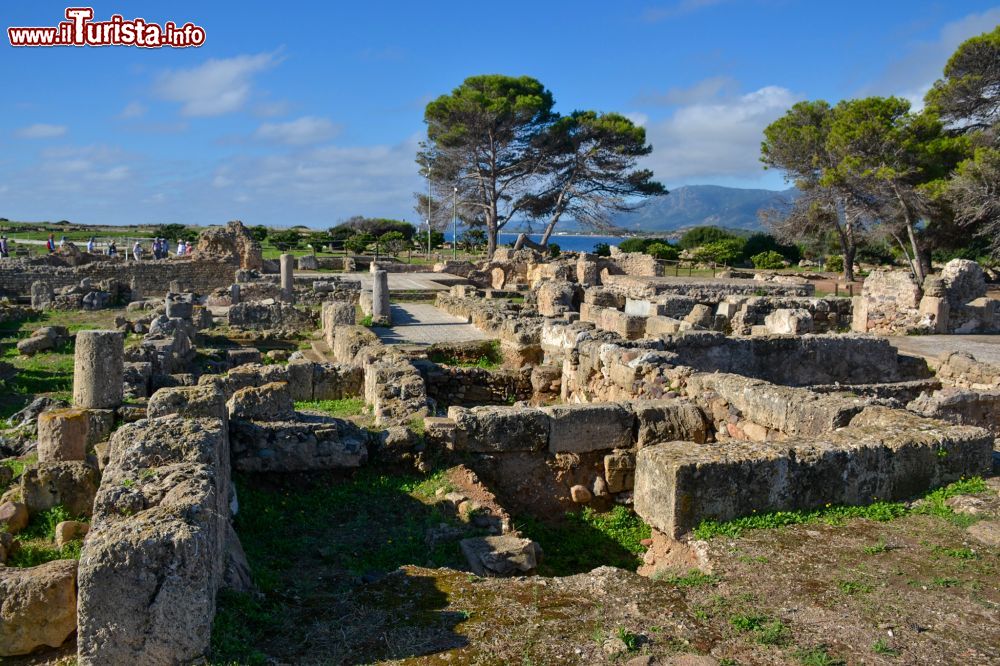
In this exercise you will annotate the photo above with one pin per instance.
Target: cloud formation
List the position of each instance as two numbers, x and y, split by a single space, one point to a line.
716 138
298 132
912 75
215 87
40 131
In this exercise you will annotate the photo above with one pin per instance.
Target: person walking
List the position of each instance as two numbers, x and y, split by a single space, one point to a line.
181 248
91 245
137 251
50 244
4 252
62 241
112 249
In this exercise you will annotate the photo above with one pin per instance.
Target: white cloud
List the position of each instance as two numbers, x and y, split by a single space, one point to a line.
323 184
711 88
717 139
912 75
133 110
40 131
216 87
301 131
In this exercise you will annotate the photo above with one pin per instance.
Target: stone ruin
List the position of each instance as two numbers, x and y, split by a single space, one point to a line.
686 399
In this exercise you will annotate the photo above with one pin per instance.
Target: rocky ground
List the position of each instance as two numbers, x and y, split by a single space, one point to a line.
918 589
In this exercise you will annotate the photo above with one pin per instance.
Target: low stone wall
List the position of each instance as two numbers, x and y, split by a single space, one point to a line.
704 290
963 406
828 314
798 360
152 278
882 455
448 385
157 549
519 330
962 369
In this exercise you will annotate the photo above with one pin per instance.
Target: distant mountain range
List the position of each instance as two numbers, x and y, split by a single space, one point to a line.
705 205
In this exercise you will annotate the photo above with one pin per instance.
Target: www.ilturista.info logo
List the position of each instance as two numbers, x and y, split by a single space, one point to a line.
81 30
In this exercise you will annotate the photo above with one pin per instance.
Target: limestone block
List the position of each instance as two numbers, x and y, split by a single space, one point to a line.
39 606
62 435
589 427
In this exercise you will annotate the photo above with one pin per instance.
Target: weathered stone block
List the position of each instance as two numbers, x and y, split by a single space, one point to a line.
204 401
62 435
71 484
270 402
668 420
496 429
589 427
39 606
619 471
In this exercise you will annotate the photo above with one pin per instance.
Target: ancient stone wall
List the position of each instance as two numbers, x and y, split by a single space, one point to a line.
152 278
157 549
475 386
962 369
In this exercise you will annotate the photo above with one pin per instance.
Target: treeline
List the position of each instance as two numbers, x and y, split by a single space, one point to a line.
713 244
874 173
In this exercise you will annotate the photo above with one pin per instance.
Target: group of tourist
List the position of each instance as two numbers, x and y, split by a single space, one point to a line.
160 247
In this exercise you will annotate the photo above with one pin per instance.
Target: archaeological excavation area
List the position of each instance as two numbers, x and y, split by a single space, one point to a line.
223 459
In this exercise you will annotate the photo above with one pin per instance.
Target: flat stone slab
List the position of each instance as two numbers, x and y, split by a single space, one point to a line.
986 348
422 323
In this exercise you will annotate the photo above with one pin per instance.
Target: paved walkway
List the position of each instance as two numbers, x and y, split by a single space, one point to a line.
420 323
986 348
397 281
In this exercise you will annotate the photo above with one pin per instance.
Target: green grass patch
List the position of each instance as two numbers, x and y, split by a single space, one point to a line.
852 587
817 656
881 646
313 536
764 629
693 578
933 503
584 540
32 554
342 408
489 360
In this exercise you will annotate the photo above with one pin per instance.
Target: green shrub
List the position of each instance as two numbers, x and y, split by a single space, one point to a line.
663 251
554 250
768 260
392 242
358 243
727 251
761 242
700 236
285 239
635 244
834 263
602 250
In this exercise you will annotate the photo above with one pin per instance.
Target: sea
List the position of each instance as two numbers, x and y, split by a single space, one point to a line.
567 242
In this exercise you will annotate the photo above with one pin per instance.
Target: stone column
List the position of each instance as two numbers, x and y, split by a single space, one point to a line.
62 435
380 299
287 262
97 369
234 294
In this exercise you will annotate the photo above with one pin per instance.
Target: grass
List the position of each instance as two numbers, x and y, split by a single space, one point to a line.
48 373
490 360
313 536
817 656
852 587
341 409
693 578
764 629
583 541
35 542
933 503
881 646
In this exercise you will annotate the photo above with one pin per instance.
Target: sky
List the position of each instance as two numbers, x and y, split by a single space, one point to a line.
311 112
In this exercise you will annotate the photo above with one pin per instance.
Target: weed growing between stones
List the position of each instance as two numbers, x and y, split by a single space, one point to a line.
342 408
933 503
817 656
35 543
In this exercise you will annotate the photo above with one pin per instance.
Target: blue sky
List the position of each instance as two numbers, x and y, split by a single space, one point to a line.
310 112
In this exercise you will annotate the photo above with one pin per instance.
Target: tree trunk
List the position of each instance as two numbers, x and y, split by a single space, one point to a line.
548 231
916 263
846 250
